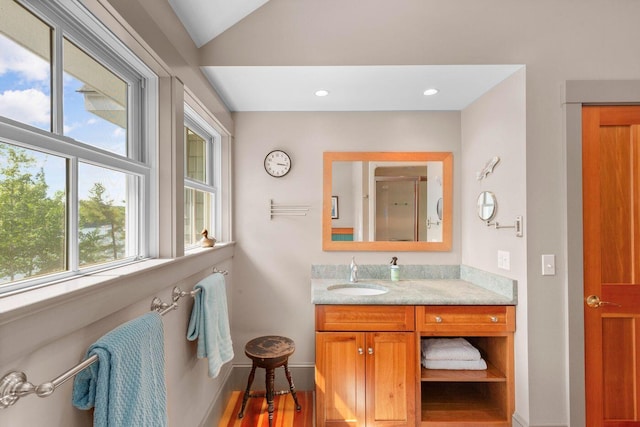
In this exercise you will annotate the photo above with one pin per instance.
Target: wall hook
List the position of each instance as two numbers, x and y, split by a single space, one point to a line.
488 168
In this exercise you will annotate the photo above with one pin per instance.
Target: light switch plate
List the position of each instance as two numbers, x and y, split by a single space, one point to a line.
504 260
548 265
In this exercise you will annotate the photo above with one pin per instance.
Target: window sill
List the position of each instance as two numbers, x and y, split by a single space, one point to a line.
15 305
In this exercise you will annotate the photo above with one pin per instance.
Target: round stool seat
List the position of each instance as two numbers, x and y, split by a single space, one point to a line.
270 350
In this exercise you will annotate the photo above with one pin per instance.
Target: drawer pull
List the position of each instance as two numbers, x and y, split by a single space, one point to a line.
494 319
360 351
438 319
370 350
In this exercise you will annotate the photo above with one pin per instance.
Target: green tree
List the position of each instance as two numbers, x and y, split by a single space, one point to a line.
32 224
102 227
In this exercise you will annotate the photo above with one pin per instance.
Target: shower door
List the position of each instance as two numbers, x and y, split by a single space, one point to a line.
401 209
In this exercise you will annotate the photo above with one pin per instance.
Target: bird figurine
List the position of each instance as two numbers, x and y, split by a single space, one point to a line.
206 242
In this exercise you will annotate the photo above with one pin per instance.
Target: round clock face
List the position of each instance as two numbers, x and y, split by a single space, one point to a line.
277 163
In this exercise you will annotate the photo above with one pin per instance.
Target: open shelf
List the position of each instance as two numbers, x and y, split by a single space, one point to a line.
460 403
491 374
468 398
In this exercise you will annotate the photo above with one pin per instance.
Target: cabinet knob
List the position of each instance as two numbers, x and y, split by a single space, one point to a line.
370 350
360 351
494 319
438 319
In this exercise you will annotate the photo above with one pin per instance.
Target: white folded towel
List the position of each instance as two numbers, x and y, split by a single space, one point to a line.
472 365
448 349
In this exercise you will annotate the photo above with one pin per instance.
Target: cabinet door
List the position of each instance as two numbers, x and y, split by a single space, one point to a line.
391 379
340 379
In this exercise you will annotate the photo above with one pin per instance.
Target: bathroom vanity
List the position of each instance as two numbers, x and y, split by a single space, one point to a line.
365 365
368 369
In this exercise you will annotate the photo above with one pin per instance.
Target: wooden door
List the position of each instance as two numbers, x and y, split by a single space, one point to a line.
340 379
390 379
611 219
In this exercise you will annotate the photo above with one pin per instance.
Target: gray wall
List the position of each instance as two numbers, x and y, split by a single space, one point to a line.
273 257
495 125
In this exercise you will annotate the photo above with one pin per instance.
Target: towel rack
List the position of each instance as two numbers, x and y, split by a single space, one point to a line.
178 293
287 210
223 272
14 385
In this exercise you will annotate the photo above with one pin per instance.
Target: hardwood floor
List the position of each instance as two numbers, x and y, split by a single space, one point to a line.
255 414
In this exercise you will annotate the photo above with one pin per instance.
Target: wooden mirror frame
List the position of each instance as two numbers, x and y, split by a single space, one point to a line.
447 193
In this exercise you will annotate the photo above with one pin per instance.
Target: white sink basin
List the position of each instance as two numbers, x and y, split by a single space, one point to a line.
358 289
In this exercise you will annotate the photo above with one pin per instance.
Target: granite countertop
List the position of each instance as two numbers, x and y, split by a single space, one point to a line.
474 288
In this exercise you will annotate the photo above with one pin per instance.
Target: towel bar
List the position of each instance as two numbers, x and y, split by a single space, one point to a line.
223 272
179 293
14 385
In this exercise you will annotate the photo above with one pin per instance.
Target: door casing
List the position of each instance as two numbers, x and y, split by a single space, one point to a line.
578 93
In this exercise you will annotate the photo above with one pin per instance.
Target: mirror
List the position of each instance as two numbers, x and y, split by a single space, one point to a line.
388 201
487 206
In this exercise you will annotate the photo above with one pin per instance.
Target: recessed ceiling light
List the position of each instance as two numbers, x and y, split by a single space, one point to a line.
430 92
322 92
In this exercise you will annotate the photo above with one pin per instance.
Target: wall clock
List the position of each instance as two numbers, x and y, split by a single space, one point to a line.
277 163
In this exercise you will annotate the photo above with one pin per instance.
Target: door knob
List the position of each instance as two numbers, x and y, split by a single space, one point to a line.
593 301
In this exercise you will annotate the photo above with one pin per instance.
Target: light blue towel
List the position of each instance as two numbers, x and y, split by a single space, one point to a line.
126 385
209 323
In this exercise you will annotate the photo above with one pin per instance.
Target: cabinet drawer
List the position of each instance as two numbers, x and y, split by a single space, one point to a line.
364 318
467 319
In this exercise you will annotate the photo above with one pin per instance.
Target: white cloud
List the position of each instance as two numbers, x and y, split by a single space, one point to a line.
29 106
68 128
118 132
28 65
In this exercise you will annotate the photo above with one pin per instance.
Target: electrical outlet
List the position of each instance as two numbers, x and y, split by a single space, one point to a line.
504 260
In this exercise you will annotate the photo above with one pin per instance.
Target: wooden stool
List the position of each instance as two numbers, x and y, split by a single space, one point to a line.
269 352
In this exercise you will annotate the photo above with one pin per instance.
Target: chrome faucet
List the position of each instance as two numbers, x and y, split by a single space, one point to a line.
353 267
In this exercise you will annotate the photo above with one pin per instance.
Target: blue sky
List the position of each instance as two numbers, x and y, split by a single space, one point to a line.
25 94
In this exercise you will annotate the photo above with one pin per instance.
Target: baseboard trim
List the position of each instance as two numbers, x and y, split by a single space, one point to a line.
219 403
518 421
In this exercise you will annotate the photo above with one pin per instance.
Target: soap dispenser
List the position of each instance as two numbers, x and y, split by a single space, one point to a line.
395 269
353 271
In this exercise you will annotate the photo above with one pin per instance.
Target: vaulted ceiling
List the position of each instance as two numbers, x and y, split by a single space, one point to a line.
204 20
350 87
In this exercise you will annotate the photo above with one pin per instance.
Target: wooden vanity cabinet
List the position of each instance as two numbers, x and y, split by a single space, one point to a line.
468 398
365 366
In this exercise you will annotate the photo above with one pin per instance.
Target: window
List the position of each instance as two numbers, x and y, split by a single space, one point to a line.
201 181
75 175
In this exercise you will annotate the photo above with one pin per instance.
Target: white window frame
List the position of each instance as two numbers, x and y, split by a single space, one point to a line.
213 167
70 20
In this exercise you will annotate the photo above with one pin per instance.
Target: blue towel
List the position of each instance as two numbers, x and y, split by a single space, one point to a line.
209 323
126 385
